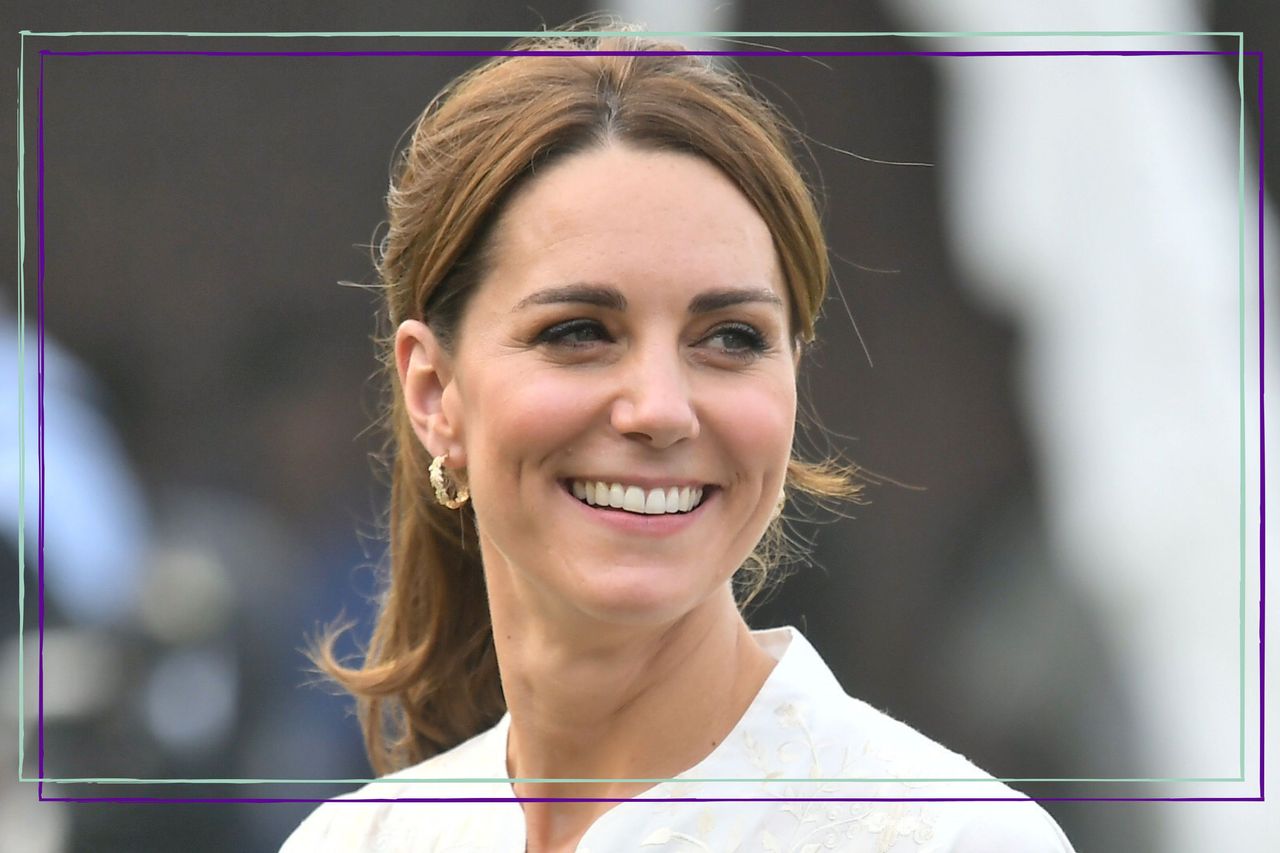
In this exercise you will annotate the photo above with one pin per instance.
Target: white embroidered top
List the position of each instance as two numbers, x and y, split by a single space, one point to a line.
799 734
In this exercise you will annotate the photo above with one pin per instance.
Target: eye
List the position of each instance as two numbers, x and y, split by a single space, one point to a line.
739 339
574 333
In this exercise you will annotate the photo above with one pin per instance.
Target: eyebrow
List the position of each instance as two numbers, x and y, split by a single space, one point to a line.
605 296
586 294
714 300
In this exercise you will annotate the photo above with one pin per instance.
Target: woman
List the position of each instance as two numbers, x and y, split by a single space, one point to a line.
601 274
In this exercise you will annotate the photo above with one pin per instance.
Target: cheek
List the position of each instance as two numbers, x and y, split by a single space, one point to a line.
756 421
527 417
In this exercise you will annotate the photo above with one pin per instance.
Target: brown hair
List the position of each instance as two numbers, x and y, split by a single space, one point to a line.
429 679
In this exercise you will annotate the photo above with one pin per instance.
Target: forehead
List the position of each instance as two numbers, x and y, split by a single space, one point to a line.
626 217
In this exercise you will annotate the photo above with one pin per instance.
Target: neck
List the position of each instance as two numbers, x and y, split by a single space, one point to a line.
617 702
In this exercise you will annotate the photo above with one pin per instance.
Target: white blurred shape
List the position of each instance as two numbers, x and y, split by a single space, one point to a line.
83 671
1116 250
1093 200
29 826
95 518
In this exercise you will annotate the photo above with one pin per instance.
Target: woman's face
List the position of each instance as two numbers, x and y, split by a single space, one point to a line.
629 343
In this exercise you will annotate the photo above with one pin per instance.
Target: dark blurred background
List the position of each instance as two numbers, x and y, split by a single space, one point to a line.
209 386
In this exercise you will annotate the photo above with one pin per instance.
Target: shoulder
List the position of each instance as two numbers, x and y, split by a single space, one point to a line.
365 820
983 815
966 809
353 821
914 787
334 826
906 782
1002 827
803 702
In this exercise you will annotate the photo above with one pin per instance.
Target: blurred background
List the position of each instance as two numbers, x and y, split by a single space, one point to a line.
1035 328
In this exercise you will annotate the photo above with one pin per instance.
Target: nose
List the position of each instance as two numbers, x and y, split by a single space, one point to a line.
654 403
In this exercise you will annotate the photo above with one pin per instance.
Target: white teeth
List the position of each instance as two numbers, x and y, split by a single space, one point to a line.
656 502
635 499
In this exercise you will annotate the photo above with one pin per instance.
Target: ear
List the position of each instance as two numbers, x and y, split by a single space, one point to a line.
426 374
797 352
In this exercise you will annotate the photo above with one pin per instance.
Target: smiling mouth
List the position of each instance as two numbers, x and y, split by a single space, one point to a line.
672 500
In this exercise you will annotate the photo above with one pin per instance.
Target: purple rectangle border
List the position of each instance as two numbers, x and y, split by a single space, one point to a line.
40 414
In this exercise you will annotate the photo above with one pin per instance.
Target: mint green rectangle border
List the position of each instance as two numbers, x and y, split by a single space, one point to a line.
22 226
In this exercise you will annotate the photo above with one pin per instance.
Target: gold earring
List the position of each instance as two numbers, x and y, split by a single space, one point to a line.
462 494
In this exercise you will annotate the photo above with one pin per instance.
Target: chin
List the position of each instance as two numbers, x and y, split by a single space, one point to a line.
639 598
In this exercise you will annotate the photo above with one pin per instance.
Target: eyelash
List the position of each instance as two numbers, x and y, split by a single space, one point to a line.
755 343
558 333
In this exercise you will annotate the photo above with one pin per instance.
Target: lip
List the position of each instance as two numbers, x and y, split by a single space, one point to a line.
666 524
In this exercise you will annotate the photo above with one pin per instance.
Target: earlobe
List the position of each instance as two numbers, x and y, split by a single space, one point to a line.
425 372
